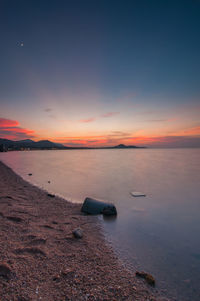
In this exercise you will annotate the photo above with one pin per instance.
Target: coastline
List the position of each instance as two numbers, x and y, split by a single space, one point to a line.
42 258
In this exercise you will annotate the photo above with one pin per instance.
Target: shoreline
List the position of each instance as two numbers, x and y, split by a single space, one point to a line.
41 260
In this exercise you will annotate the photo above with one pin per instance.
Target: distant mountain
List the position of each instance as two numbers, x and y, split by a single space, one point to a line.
25 141
30 144
46 143
126 146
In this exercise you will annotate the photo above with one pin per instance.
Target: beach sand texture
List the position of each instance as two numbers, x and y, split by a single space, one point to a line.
41 260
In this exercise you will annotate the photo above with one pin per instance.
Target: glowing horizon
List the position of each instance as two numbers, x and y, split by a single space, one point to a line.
11 129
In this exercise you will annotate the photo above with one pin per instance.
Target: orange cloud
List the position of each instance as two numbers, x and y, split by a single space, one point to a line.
191 131
165 141
118 137
10 129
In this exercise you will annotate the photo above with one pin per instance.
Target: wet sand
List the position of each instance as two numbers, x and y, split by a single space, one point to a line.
41 260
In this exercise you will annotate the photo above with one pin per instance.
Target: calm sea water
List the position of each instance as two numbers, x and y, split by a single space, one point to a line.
159 233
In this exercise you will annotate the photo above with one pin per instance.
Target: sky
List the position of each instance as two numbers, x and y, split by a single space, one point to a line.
101 73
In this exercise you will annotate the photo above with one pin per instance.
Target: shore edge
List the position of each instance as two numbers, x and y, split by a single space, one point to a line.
45 261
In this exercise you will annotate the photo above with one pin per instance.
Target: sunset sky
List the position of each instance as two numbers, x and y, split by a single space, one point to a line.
100 72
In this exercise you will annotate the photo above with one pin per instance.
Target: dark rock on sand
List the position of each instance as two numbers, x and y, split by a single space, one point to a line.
15 219
5 270
149 278
30 174
68 273
51 195
56 278
22 299
92 206
78 233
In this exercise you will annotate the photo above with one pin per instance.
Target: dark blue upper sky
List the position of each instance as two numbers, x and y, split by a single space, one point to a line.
148 46
107 48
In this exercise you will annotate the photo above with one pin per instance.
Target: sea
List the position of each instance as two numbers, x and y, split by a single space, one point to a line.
158 233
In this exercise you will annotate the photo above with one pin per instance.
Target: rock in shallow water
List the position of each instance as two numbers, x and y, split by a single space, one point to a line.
92 206
110 210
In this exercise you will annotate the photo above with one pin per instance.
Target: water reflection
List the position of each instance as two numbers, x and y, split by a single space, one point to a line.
109 218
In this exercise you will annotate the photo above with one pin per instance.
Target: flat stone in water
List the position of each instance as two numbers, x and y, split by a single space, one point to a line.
137 194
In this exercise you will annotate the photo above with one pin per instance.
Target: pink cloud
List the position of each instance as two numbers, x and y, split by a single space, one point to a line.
87 120
110 114
92 119
10 129
4 123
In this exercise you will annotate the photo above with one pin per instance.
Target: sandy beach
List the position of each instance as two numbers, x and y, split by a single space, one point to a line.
41 260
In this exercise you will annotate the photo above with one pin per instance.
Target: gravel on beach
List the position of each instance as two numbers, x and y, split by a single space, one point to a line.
41 259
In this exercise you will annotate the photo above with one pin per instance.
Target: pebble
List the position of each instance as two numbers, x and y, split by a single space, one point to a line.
5 270
78 233
51 195
149 278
